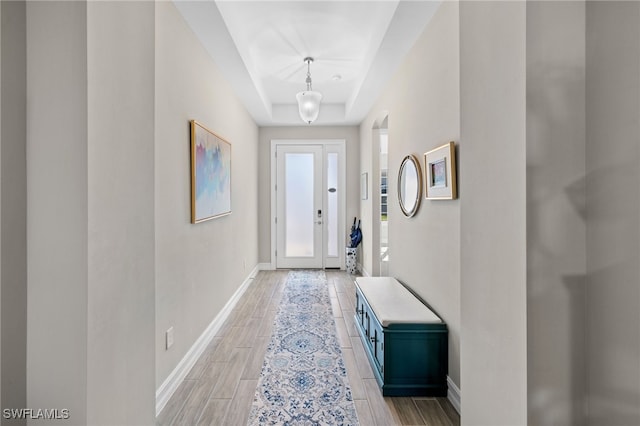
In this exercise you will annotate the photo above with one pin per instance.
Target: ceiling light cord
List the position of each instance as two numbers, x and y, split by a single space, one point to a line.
308 61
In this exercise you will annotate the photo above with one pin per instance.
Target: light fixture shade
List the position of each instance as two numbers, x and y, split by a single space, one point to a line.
309 105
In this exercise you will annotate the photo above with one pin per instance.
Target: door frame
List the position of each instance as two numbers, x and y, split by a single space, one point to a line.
342 198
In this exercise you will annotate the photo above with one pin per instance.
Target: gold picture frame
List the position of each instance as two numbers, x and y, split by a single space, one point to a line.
210 174
440 173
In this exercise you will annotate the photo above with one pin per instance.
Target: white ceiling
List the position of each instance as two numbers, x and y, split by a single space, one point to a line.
260 47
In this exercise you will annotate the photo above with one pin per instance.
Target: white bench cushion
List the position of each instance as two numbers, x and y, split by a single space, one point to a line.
392 303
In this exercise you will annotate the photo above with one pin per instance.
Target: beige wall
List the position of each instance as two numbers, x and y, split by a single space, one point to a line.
90 218
423 106
493 212
120 165
613 208
583 233
57 200
556 212
198 267
13 206
1 62
348 133
582 109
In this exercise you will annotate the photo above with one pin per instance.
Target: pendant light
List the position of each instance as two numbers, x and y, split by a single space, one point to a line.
308 100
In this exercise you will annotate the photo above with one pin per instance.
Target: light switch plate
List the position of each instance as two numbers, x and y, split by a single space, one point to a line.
169 336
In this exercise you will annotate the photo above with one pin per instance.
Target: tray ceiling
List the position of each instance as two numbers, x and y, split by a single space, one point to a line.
260 46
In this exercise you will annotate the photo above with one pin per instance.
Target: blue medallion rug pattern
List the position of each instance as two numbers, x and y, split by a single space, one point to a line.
303 379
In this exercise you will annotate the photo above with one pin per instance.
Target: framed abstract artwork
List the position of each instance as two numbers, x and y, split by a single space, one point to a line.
210 174
440 173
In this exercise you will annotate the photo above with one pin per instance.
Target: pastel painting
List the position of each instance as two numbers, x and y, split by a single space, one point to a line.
210 174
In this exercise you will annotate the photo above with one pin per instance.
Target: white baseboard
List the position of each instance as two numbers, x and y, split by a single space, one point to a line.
453 394
363 271
265 267
169 386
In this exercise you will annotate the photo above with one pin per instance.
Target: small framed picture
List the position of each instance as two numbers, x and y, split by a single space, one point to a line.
440 173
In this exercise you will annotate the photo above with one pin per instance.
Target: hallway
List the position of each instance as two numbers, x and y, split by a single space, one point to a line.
219 389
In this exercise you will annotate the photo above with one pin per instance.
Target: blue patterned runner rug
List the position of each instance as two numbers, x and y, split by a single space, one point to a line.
303 379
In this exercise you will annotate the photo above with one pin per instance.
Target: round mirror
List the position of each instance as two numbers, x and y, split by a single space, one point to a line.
409 185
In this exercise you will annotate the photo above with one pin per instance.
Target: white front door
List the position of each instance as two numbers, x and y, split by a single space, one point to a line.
310 199
299 206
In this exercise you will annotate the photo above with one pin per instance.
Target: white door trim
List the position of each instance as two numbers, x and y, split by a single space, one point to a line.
342 196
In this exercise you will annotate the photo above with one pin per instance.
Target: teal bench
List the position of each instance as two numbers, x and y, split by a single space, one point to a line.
405 341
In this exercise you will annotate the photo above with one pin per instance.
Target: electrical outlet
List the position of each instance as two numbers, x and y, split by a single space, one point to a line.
169 336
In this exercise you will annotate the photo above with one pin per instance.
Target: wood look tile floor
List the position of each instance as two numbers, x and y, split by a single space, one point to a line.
220 387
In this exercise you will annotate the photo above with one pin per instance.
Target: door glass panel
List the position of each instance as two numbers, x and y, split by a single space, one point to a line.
299 205
332 204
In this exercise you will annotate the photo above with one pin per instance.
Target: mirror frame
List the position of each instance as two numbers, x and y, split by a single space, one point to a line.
410 159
